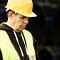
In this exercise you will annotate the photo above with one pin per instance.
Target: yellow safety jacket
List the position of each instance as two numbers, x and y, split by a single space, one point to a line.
8 50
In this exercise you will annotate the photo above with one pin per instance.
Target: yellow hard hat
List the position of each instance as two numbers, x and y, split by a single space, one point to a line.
23 7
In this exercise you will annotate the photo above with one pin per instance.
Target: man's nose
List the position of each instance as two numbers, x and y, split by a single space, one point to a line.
26 20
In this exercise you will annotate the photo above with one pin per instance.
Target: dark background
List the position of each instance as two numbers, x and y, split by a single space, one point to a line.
45 27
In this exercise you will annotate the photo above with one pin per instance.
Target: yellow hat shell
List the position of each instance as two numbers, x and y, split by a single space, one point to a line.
23 7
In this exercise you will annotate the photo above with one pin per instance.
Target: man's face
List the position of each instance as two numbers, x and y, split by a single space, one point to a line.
19 22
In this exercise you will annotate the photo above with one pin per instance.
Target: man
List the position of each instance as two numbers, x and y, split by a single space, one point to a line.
16 43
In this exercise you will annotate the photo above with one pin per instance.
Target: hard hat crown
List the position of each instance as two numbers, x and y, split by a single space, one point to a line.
23 7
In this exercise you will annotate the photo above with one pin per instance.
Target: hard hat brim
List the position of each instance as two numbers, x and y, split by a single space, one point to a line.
33 15
28 15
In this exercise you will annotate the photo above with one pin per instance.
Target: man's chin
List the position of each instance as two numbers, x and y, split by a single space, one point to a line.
22 28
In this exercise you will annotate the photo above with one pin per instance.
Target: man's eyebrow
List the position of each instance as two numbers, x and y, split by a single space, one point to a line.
23 16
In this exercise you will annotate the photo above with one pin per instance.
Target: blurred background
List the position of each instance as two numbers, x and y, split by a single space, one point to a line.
45 27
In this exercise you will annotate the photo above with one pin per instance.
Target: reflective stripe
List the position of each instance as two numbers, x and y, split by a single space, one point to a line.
18 43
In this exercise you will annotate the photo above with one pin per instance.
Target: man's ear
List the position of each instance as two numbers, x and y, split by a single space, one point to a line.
10 13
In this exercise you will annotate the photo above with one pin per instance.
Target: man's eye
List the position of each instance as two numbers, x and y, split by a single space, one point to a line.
22 17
